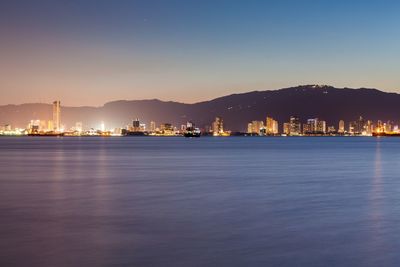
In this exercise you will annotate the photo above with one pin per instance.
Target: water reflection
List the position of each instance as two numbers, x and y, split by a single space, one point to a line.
376 207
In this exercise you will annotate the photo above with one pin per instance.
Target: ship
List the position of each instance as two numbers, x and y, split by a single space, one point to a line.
191 130
45 134
386 134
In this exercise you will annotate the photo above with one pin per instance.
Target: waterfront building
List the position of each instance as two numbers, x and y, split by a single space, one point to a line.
341 127
167 128
57 116
294 127
249 128
286 128
369 127
256 127
271 126
321 126
388 126
315 126
357 127
50 126
218 126
306 128
331 130
34 127
135 125
379 127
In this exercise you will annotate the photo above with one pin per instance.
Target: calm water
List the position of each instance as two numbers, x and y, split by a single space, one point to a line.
138 201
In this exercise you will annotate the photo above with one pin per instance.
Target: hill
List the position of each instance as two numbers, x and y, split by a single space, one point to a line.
309 101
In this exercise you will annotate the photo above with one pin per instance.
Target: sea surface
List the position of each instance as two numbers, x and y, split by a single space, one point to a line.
172 201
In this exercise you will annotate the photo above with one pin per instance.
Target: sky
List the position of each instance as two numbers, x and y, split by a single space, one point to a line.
91 52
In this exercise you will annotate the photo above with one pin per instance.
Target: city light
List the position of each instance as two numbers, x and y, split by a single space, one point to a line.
269 127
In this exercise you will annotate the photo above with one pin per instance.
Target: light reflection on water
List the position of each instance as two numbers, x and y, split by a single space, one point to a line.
208 201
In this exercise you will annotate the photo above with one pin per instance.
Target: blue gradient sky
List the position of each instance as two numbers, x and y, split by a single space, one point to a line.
91 52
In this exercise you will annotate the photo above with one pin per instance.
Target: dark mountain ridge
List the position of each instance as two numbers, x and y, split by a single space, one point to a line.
308 101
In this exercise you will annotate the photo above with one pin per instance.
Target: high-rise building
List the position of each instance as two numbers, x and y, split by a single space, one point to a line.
379 127
135 125
341 127
57 116
321 127
294 126
388 126
286 128
218 126
271 126
357 127
369 127
315 126
256 127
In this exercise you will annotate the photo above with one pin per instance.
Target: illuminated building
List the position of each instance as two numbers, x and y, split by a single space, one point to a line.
167 129
135 125
272 126
357 127
256 127
249 128
50 126
57 116
341 127
388 126
286 128
379 127
293 127
306 128
152 126
315 126
331 130
218 126
321 126
34 127
369 127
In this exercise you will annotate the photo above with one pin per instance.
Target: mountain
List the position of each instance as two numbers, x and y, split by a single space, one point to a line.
308 101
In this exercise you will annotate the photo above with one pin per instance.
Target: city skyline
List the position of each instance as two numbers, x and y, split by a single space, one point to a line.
294 127
307 102
88 53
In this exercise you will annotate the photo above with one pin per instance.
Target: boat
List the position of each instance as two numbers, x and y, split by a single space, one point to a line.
386 134
191 130
46 134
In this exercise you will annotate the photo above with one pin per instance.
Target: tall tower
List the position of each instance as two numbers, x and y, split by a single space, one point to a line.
57 116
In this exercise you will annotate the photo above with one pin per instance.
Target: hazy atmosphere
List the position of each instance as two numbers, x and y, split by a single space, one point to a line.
92 52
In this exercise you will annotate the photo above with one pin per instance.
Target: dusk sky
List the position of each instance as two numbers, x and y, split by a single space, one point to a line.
92 52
